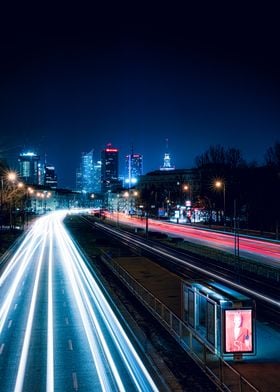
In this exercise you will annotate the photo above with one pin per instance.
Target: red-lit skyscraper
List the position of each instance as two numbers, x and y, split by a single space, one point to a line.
109 168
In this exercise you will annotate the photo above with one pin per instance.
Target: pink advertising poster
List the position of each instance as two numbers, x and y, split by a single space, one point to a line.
238 331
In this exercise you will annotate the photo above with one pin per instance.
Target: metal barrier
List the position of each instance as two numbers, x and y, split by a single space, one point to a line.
219 371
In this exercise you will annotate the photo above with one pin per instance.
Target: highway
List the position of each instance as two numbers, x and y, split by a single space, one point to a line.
57 330
264 251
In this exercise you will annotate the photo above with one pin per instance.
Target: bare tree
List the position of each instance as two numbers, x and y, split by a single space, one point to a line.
272 156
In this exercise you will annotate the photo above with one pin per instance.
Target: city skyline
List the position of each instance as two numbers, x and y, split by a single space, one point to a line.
137 78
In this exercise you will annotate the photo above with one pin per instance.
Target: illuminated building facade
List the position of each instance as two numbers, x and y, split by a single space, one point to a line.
134 169
167 160
50 178
29 167
167 163
97 177
84 175
109 169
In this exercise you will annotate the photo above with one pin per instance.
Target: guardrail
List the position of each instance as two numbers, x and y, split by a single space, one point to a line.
220 372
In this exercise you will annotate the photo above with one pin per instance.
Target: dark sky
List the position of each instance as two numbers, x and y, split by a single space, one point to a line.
74 79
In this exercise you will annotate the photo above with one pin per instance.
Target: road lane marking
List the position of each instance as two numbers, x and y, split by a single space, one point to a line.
10 323
2 348
75 381
70 345
15 306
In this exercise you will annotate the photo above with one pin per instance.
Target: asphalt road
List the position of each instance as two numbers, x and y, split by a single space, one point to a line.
265 251
57 331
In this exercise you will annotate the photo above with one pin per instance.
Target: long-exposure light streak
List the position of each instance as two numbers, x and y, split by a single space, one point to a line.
126 350
155 249
135 366
105 347
93 344
113 363
29 251
33 234
258 249
50 354
26 342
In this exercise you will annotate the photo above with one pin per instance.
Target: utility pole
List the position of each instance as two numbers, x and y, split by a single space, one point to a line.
236 240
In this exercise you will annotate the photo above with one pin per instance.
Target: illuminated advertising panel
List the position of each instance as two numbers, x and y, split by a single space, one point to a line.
238 331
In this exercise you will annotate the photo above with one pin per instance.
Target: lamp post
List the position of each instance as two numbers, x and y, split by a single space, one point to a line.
236 239
118 209
12 176
126 195
29 192
92 196
221 184
147 224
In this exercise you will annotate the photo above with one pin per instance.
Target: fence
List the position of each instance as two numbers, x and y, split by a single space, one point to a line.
220 372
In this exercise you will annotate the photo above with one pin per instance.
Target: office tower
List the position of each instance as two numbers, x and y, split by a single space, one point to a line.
97 177
29 167
84 175
133 168
109 169
50 178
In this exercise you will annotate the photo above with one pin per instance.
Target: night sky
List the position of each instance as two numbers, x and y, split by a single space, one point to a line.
75 79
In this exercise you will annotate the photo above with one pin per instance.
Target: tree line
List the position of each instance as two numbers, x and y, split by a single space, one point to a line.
252 188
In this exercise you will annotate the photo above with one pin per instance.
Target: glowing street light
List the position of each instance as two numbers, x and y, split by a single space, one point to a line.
12 176
221 185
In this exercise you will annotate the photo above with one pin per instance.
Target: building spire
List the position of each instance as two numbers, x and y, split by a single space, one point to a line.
167 159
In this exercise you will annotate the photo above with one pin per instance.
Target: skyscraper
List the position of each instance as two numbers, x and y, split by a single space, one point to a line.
133 168
28 167
50 178
84 175
109 169
97 177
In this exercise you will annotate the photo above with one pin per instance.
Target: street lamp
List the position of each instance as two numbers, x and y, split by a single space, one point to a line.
29 192
221 184
188 203
126 195
11 176
118 209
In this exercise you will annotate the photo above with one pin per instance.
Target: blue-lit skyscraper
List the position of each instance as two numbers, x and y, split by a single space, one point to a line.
133 169
84 175
97 177
29 167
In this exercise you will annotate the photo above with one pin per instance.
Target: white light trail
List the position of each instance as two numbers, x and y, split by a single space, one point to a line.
50 353
129 356
89 291
115 361
93 343
29 250
32 235
26 342
155 249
